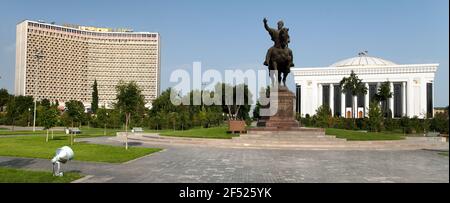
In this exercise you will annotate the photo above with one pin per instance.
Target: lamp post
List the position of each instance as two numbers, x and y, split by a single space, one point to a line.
105 123
38 55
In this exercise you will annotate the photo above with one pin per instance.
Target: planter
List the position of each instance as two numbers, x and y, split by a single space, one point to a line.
236 126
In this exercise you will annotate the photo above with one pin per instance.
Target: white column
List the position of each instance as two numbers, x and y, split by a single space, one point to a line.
355 107
404 99
409 97
366 101
433 97
391 100
320 96
343 113
332 99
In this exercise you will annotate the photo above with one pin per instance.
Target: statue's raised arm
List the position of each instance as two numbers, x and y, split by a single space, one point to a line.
270 30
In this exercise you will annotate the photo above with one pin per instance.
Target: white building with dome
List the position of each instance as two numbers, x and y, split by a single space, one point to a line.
411 85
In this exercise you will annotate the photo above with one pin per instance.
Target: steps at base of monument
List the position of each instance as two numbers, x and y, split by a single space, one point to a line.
287 133
286 136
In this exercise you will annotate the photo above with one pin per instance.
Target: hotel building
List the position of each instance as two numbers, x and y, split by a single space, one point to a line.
60 63
412 87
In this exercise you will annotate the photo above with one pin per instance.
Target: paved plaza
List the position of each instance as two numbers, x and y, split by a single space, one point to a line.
225 165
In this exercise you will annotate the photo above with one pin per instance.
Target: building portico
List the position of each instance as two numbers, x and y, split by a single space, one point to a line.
412 87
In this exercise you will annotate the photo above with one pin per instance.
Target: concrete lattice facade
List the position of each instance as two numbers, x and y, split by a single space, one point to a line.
61 63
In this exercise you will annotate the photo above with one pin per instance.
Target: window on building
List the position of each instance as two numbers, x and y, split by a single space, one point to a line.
337 100
348 99
372 92
397 100
429 100
298 99
326 95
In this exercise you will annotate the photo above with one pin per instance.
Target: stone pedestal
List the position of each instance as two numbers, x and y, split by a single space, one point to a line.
284 118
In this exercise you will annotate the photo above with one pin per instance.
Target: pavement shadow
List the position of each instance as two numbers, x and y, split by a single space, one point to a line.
17 163
134 144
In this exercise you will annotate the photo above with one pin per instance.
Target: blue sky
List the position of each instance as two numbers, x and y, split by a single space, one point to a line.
230 34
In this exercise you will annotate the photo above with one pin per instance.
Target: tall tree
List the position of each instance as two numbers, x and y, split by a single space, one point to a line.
4 98
45 103
236 100
75 111
355 87
129 99
383 95
49 118
94 103
375 117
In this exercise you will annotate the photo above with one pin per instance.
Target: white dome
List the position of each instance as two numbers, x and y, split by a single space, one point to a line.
363 60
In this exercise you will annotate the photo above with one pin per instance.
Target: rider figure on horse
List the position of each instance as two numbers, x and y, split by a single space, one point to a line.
275 35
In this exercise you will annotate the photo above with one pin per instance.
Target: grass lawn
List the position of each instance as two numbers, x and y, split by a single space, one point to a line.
9 175
444 153
85 132
36 147
351 135
213 133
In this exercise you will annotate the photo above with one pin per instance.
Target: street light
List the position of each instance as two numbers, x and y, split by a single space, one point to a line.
38 55
105 123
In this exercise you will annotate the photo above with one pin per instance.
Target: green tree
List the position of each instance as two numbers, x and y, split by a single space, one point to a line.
256 114
4 98
236 100
45 103
18 107
355 87
184 118
102 118
375 122
173 118
383 95
75 111
49 119
323 114
94 103
129 100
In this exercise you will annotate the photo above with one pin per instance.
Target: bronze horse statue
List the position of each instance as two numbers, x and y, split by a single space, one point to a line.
280 62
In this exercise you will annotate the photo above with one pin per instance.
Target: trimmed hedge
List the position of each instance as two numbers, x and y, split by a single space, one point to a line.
406 125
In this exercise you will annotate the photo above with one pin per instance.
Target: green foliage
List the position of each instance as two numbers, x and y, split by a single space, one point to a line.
165 115
131 102
94 103
75 112
256 114
236 100
18 109
375 121
440 123
45 103
354 86
405 124
383 95
389 124
323 114
49 118
4 98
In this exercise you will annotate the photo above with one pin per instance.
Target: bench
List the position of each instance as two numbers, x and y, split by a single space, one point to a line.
432 134
444 137
137 130
73 131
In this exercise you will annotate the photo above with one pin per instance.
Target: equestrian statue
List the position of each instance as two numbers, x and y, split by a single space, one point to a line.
279 57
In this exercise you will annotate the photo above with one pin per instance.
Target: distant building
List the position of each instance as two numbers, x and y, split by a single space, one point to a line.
61 62
412 86
440 110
